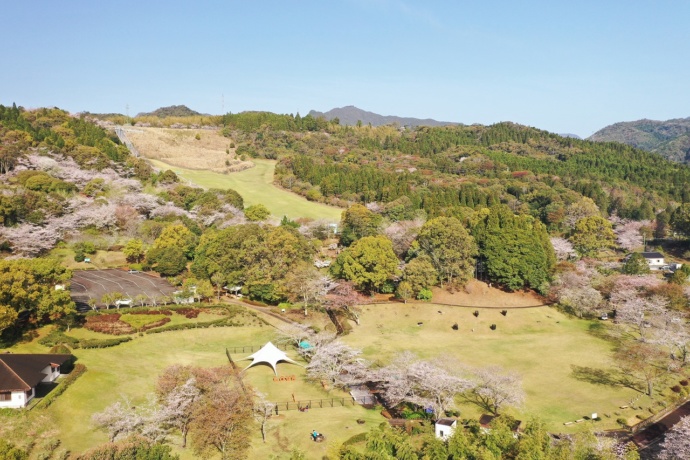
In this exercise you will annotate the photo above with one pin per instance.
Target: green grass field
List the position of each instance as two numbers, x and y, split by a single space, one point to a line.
256 186
554 354
130 370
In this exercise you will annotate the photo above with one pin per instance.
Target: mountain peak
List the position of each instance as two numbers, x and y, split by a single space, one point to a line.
350 115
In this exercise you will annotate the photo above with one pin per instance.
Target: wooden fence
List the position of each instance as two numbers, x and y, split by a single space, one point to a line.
251 348
323 403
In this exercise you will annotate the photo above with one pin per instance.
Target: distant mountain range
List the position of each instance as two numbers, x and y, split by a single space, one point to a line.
350 115
171 111
670 139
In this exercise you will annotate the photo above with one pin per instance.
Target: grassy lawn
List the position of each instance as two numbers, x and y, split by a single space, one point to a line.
100 260
256 186
544 346
130 370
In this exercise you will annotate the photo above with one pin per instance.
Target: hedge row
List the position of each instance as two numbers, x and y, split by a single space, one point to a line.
102 343
56 338
77 372
180 327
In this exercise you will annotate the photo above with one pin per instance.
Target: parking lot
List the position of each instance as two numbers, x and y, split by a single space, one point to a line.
92 284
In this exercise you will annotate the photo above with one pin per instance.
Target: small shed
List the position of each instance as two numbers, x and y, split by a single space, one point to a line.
445 427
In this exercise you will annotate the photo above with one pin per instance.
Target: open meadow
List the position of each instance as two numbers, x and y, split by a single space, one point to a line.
559 358
130 370
256 187
563 363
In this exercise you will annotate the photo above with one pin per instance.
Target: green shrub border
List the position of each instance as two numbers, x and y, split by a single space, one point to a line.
78 371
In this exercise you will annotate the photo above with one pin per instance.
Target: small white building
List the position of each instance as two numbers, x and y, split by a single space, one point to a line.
21 373
445 427
655 260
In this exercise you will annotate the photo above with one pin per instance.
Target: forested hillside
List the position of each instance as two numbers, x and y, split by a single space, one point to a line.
440 170
670 139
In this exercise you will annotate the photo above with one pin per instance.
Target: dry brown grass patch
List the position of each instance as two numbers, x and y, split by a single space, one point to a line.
180 147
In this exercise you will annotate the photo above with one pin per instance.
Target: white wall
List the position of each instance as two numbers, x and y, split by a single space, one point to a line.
19 400
444 431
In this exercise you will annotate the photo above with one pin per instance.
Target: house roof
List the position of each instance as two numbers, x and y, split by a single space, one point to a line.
652 255
446 421
271 355
22 372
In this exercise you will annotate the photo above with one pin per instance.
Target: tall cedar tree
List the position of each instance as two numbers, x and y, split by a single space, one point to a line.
515 248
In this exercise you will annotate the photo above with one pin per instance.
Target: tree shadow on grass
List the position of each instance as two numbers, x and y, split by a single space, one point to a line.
600 330
607 377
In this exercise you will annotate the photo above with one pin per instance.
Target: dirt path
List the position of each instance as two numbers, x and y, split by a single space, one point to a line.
481 294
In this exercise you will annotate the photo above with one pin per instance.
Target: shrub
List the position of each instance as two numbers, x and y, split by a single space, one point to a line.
493 327
621 421
504 312
425 294
77 372
684 383
189 313
356 439
108 323
103 343
61 349
476 313
58 338
675 388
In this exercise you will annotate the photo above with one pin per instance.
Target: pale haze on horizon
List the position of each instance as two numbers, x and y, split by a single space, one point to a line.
567 67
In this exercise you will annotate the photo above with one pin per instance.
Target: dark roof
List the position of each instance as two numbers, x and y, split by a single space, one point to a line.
21 372
486 419
446 421
652 255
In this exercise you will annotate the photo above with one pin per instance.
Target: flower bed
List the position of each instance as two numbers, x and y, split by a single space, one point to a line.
109 323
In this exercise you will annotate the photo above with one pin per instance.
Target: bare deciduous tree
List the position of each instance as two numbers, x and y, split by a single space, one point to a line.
263 410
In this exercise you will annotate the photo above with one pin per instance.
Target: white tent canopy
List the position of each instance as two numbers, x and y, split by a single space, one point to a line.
271 355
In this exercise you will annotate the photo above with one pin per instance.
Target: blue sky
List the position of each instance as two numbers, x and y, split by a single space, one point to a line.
567 67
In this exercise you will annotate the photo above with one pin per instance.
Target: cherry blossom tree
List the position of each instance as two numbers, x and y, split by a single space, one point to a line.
495 389
629 233
676 444
563 248
263 410
402 234
337 364
119 420
423 383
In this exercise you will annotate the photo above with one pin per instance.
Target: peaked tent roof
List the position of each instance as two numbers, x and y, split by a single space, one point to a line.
271 355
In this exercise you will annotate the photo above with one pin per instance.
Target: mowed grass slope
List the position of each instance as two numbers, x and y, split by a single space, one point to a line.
256 187
541 344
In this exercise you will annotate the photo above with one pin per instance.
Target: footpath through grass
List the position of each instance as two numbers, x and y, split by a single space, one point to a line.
256 186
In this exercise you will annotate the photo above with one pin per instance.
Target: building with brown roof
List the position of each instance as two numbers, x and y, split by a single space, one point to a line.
20 374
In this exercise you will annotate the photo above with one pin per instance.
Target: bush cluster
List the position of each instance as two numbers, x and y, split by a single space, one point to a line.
229 322
56 337
189 313
356 439
151 312
77 372
158 323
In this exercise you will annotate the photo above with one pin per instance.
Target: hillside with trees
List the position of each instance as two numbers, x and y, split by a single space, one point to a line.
670 138
351 116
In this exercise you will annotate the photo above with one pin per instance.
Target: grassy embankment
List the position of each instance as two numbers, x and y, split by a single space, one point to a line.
202 162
